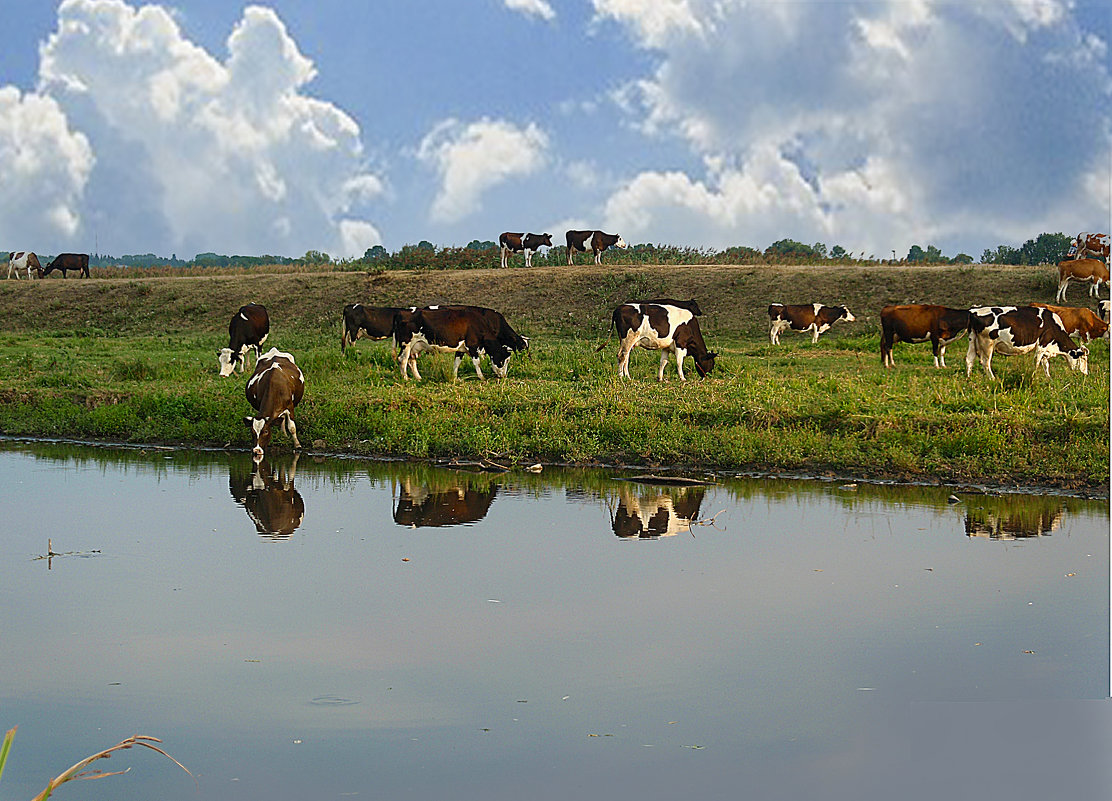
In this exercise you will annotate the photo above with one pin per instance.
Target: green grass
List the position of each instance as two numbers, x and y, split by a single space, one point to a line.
828 407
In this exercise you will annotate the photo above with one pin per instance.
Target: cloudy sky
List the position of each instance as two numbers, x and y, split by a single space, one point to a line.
206 125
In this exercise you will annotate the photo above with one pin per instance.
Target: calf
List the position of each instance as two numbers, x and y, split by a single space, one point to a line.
470 330
591 241
248 330
274 391
372 322
1093 270
918 323
813 316
1012 330
1082 324
20 260
79 262
661 327
516 243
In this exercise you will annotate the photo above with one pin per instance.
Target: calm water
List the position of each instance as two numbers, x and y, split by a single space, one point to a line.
336 629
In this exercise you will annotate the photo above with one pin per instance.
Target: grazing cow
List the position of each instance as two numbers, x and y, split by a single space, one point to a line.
1089 245
20 260
372 322
1081 324
470 330
591 241
813 316
516 243
660 514
1104 307
248 330
918 323
274 391
1012 330
1093 270
269 497
662 327
420 506
79 262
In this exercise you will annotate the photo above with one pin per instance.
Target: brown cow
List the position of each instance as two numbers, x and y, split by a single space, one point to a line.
1082 324
812 316
1092 270
79 262
661 327
372 322
274 391
248 330
471 330
917 323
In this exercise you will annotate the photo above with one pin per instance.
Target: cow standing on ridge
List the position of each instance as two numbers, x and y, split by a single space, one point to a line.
78 262
591 242
516 243
20 260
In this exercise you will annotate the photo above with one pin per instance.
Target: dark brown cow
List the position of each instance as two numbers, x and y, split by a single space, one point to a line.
269 498
248 330
663 514
1013 330
20 260
1081 324
470 330
918 323
78 262
516 243
654 326
419 506
1094 271
372 322
811 316
274 391
591 242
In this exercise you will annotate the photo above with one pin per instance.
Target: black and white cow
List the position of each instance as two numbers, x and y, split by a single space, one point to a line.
470 330
78 262
811 316
1022 329
654 326
592 242
274 390
20 260
248 330
372 322
516 243
1103 308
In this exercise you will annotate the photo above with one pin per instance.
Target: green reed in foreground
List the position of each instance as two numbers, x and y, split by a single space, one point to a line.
795 407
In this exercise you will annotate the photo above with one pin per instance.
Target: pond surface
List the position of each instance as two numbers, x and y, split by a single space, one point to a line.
329 628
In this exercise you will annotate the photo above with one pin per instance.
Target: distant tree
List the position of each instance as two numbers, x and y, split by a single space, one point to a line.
837 252
789 248
962 258
1002 255
316 257
916 254
485 244
820 250
1045 249
934 255
424 244
375 253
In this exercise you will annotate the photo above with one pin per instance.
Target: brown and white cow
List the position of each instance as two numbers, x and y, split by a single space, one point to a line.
21 260
269 498
811 316
421 506
1012 330
1086 245
1104 307
274 390
248 330
918 322
1094 271
516 243
470 330
655 326
78 262
372 322
591 242
1081 324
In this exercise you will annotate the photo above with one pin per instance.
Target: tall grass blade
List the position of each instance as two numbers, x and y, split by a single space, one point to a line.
5 747
77 772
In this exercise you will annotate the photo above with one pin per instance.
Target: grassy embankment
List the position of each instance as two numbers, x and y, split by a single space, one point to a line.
134 360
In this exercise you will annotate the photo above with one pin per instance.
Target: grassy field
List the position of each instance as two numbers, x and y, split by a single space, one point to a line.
134 360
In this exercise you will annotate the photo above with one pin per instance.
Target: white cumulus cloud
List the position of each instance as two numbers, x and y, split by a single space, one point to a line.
194 153
472 158
536 8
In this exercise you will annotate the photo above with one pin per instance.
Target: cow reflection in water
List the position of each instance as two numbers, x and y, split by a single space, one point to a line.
269 497
448 499
1014 517
656 512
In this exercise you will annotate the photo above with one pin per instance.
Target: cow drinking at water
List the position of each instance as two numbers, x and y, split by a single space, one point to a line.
274 391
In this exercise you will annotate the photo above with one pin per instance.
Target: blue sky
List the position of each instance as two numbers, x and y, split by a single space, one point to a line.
289 125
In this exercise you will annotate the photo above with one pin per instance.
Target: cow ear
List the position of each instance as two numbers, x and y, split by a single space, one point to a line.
247 421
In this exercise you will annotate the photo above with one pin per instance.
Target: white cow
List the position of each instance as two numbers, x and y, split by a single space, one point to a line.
20 260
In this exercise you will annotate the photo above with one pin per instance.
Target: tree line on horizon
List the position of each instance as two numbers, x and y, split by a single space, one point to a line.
1046 248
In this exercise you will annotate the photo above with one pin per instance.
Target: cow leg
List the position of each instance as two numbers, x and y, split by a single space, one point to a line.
814 334
623 359
681 354
970 355
475 361
774 331
504 260
1062 290
528 258
940 361
455 365
291 428
663 364
598 257
569 257
403 362
1094 289
938 349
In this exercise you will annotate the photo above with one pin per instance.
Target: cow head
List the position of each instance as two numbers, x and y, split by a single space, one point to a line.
1078 359
546 239
228 360
705 363
621 243
847 314
261 428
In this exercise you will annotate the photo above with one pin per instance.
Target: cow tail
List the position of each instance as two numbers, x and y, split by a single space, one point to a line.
606 341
